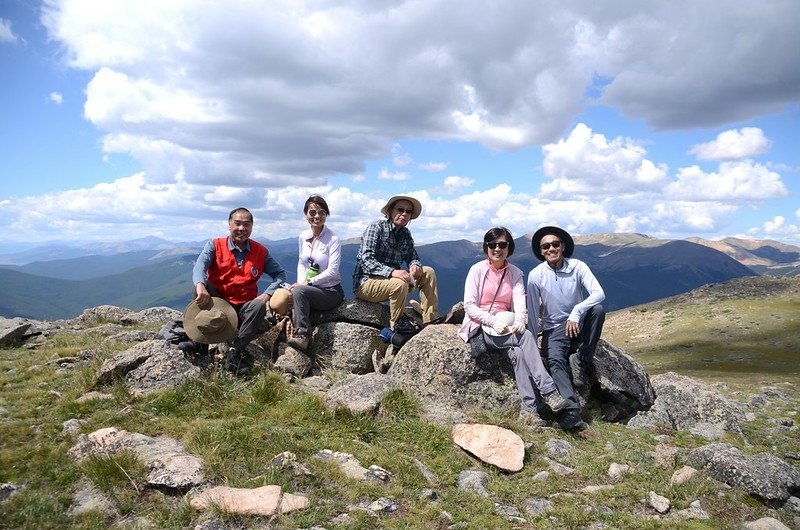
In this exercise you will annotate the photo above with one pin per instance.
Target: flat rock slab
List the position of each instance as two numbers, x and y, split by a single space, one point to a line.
494 445
266 500
167 462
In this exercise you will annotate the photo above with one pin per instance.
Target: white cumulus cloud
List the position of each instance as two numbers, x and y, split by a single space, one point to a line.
733 144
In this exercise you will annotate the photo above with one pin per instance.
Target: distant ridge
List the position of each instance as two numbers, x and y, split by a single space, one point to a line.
633 269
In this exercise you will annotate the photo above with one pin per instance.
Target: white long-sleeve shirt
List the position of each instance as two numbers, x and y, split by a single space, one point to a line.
561 293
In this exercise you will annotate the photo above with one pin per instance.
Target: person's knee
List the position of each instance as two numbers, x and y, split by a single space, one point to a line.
397 288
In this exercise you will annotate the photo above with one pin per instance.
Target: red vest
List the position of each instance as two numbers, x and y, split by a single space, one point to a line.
234 284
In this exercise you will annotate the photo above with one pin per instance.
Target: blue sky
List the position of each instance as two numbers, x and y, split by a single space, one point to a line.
120 120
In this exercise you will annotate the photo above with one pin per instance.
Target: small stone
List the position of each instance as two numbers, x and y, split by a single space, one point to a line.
683 475
616 470
658 503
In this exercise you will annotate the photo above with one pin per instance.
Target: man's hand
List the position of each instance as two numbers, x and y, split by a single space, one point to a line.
402 275
265 297
416 272
202 297
572 329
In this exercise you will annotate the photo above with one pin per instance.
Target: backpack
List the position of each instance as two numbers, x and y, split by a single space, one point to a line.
407 327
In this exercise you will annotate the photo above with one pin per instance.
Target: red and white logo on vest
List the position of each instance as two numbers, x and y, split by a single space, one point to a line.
254 272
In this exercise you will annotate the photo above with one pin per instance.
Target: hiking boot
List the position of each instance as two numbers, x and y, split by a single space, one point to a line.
531 418
416 306
239 363
299 342
572 421
555 401
578 370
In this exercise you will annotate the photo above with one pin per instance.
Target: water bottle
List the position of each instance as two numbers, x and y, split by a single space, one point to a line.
312 271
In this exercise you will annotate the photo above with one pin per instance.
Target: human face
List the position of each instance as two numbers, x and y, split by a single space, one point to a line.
499 253
240 226
554 251
315 215
401 213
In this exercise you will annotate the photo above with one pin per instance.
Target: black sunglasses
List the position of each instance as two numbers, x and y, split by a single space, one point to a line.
554 244
404 210
495 244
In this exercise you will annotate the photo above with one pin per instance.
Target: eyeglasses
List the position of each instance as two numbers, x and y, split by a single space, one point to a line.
497 244
554 244
314 213
404 210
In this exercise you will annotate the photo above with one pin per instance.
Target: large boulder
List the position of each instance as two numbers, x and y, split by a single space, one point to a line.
436 365
345 346
167 462
764 475
148 366
12 331
684 403
622 385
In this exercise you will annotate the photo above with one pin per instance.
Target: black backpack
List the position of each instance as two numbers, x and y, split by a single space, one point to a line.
407 327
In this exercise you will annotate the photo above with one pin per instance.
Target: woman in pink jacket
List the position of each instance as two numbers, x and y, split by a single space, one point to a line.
495 286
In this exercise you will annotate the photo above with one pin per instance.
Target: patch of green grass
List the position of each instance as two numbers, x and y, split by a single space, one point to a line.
237 426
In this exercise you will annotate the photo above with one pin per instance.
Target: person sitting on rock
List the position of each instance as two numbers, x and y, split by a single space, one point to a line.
385 246
493 286
229 268
319 284
567 318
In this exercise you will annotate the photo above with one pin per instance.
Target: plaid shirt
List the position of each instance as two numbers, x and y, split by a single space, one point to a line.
383 249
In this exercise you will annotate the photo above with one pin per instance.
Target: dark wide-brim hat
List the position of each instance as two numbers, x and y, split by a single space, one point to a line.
217 323
566 239
414 202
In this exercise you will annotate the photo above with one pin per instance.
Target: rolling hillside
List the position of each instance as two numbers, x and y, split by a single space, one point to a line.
632 268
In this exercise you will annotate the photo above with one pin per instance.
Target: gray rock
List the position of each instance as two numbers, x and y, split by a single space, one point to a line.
428 494
765 523
658 502
292 361
683 403
558 449
694 511
355 311
317 384
436 365
382 505
351 466
426 472
7 489
345 346
474 481
87 498
133 335
359 393
12 331
148 366
536 506
72 426
623 386
152 315
763 475
168 463
101 313
559 469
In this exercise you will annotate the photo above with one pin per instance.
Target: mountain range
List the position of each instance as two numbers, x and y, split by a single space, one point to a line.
52 282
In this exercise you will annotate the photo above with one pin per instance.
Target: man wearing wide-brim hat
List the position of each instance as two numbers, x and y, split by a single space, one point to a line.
385 247
567 318
229 268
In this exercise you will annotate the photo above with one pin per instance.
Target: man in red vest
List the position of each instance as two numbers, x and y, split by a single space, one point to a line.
229 268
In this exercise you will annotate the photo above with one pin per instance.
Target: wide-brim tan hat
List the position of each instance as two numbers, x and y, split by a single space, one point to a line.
415 204
217 323
281 301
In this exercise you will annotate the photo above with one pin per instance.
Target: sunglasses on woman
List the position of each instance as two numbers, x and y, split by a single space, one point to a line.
314 213
497 244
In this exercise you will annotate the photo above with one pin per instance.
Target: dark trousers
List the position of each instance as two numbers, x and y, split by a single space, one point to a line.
308 297
556 347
